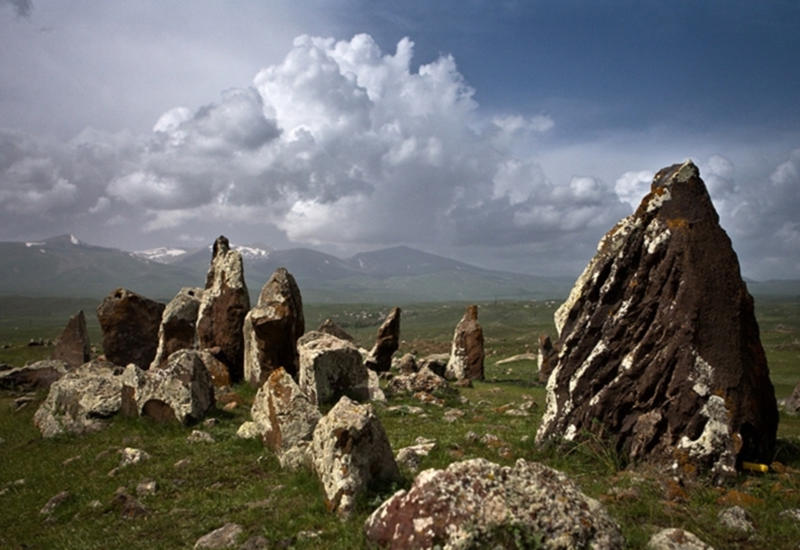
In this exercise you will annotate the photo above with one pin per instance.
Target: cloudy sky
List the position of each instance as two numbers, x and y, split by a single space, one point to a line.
511 135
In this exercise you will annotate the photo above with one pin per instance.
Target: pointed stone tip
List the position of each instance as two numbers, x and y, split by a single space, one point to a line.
221 245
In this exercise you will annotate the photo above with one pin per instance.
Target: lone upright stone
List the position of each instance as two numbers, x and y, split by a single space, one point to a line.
386 343
178 328
223 308
271 329
72 346
130 327
659 348
466 354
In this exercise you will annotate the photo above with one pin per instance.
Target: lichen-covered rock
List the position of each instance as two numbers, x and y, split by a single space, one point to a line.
271 329
676 539
72 346
181 391
328 326
351 454
437 362
220 376
736 518
659 348
407 364
223 308
223 537
36 376
479 504
330 368
410 457
80 400
424 380
792 403
129 323
466 353
178 327
285 418
386 343
374 391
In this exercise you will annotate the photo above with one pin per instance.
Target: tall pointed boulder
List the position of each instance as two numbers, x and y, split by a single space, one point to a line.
223 307
387 341
659 348
466 353
73 344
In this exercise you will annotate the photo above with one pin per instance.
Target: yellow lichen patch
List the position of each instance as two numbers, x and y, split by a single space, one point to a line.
677 223
660 190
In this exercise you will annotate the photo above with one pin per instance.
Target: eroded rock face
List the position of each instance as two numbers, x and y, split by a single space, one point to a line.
425 380
466 354
72 346
178 327
285 418
271 329
659 348
36 376
479 504
80 400
181 391
330 368
130 324
223 308
351 454
386 343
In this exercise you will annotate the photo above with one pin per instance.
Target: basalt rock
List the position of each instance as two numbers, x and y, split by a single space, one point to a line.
178 327
271 329
129 323
479 504
386 343
223 308
466 354
73 344
330 327
659 349
330 368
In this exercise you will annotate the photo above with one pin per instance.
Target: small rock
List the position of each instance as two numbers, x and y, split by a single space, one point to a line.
429 398
146 487
210 422
736 518
791 513
95 504
255 543
127 505
676 539
70 460
182 463
451 415
248 430
131 456
228 407
472 437
54 502
199 436
223 537
410 457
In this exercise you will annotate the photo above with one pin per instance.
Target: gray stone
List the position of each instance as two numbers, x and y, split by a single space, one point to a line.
130 456
424 380
330 368
223 537
479 504
676 539
248 430
351 454
199 436
178 327
791 404
36 376
54 503
374 387
736 518
410 457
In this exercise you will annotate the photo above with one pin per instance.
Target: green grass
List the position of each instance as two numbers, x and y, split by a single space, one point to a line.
239 481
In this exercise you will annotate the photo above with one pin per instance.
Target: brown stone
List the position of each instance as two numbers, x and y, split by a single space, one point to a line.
659 345
223 308
466 355
271 329
73 344
328 326
386 343
129 323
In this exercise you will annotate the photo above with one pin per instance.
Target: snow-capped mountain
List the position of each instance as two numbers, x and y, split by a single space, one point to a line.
162 254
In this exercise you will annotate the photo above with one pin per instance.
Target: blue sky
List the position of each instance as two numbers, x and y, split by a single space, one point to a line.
507 134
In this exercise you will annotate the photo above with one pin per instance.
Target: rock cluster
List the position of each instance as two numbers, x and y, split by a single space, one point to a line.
658 345
379 358
72 346
466 354
272 327
130 324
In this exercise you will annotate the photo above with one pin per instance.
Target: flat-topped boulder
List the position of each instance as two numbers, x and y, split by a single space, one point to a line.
272 327
223 308
72 346
178 327
659 348
330 368
129 322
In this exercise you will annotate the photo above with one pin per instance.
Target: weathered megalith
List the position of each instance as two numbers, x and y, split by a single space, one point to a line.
285 419
72 346
223 307
379 358
351 454
479 504
129 323
659 349
329 326
466 353
80 400
272 327
792 403
178 327
330 368
181 391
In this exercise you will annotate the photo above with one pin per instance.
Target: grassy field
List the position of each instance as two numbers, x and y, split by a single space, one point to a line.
232 480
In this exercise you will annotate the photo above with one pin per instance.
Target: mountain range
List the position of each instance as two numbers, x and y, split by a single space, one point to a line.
68 267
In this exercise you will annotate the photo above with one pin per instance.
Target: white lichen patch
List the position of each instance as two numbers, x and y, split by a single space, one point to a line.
716 436
701 376
599 348
655 235
687 171
658 199
550 403
571 432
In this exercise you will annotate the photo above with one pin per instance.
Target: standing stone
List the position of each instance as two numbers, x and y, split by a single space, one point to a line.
271 329
386 343
546 357
73 344
659 348
466 354
351 454
792 403
177 329
223 307
130 327
285 418
330 368
330 327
